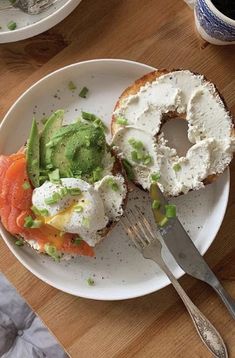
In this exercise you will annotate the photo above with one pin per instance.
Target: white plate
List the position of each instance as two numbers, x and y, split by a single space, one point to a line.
31 25
118 269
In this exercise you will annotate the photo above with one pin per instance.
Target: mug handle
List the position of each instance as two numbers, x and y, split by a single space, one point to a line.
190 3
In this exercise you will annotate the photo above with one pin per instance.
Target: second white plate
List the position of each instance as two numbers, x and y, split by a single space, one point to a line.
118 269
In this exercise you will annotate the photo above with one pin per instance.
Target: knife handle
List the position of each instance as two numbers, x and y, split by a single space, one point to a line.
225 297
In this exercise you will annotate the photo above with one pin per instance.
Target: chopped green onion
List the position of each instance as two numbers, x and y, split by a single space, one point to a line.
19 242
55 198
98 123
97 174
134 156
26 185
72 86
83 92
78 208
177 167
54 176
155 177
122 121
90 281
63 192
11 25
147 159
136 144
128 168
78 241
112 184
85 222
52 251
163 221
28 221
43 212
74 191
170 211
156 204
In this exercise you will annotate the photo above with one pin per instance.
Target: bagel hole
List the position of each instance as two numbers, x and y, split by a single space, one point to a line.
175 131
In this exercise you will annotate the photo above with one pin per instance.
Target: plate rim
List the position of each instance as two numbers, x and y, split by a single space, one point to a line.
40 26
4 233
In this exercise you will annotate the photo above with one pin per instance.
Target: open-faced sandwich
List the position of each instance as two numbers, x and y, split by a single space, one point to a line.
137 122
62 192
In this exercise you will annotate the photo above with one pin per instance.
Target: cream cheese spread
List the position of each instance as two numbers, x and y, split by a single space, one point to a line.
209 130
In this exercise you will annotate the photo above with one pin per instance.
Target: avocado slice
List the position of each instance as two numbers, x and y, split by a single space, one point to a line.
77 149
53 123
32 155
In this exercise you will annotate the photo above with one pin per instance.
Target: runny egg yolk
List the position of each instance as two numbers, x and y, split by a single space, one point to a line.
60 220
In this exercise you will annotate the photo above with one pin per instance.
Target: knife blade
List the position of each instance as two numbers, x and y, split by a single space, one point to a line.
183 249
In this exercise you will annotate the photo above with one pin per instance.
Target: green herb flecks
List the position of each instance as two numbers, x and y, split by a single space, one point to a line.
177 167
122 121
170 211
156 204
90 281
26 185
83 93
72 86
11 25
52 251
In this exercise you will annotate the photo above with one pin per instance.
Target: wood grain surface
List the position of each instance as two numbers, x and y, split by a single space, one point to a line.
159 33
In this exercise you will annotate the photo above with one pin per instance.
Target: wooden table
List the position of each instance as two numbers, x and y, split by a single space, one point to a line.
159 33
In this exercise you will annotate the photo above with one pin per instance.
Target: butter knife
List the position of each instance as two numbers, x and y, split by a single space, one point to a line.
184 251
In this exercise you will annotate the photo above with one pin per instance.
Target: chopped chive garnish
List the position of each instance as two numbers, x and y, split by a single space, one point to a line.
28 221
113 184
156 204
63 192
11 25
122 121
54 176
134 156
72 86
26 185
128 168
52 251
136 144
97 174
177 167
19 242
147 159
78 208
74 191
83 92
90 281
170 211
55 198
163 221
155 177
85 222
78 241
43 212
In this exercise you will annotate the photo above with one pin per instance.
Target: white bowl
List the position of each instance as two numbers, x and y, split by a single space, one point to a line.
31 25
119 270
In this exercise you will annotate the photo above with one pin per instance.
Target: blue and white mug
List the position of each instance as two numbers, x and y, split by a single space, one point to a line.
212 25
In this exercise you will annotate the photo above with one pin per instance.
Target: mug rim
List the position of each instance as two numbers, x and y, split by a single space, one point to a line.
219 13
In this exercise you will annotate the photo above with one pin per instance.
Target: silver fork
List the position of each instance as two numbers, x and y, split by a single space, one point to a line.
142 235
31 7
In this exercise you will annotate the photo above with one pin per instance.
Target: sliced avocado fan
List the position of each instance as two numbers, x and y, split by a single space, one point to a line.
32 155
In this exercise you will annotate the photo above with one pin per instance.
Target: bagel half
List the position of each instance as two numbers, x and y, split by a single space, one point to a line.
150 78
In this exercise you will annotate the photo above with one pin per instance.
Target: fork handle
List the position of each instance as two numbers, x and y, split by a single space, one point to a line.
207 332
